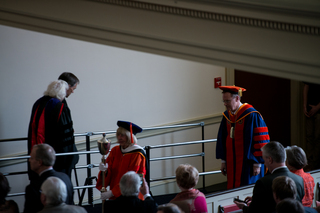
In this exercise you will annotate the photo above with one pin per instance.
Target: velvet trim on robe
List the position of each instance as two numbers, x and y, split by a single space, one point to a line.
120 163
244 149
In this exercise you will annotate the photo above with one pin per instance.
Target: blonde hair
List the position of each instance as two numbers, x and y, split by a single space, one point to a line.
57 89
187 176
124 131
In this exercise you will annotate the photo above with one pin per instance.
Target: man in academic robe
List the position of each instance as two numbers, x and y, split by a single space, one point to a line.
241 136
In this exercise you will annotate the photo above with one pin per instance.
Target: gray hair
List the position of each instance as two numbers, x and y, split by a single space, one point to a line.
169 208
55 191
130 184
296 157
275 150
233 95
46 153
57 89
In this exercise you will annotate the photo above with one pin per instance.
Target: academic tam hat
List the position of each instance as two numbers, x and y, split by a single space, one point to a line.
127 125
233 89
131 127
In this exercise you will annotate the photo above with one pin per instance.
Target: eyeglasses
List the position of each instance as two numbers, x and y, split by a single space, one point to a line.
227 101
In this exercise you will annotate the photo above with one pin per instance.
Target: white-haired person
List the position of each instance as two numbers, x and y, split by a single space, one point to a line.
54 195
128 156
189 199
42 158
128 201
296 161
169 208
51 122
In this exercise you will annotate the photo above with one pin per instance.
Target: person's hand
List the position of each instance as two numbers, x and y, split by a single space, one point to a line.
240 204
144 189
248 200
256 170
103 167
305 111
106 195
223 169
314 109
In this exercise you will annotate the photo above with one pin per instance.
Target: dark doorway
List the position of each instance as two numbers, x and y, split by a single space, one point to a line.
271 97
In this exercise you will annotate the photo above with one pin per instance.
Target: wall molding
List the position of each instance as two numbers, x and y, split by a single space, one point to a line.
218 17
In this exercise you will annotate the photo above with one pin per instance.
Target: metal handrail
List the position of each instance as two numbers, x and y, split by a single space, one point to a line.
88 153
178 156
112 132
173 177
74 188
183 143
57 154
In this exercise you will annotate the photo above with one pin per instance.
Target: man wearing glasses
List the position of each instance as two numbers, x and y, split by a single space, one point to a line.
241 136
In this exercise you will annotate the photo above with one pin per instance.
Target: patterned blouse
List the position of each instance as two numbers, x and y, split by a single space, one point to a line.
308 187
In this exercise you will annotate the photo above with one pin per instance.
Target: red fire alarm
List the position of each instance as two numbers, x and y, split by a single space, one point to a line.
217 82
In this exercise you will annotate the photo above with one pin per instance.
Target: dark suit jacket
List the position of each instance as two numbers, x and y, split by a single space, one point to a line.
32 195
262 198
130 204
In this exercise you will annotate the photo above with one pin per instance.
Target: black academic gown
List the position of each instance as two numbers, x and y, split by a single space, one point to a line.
51 123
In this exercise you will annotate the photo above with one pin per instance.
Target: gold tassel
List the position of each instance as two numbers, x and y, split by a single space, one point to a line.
240 92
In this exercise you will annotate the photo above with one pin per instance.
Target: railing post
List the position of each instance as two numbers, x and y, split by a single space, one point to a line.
90 191
148 165
203 158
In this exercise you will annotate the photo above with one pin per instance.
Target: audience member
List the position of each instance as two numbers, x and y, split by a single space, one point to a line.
189 199
169 208
274 156
318 206
289 205
6 206
296 161
284 187
54 195
42 158
128 201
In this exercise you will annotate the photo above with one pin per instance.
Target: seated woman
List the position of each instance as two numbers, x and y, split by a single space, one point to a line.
128 156
189 199
6 206
296 161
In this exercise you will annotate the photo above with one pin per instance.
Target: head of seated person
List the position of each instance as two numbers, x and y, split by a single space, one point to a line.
53 192
130 184
169 208
283 187
289 205
187 177
296 158
6 205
